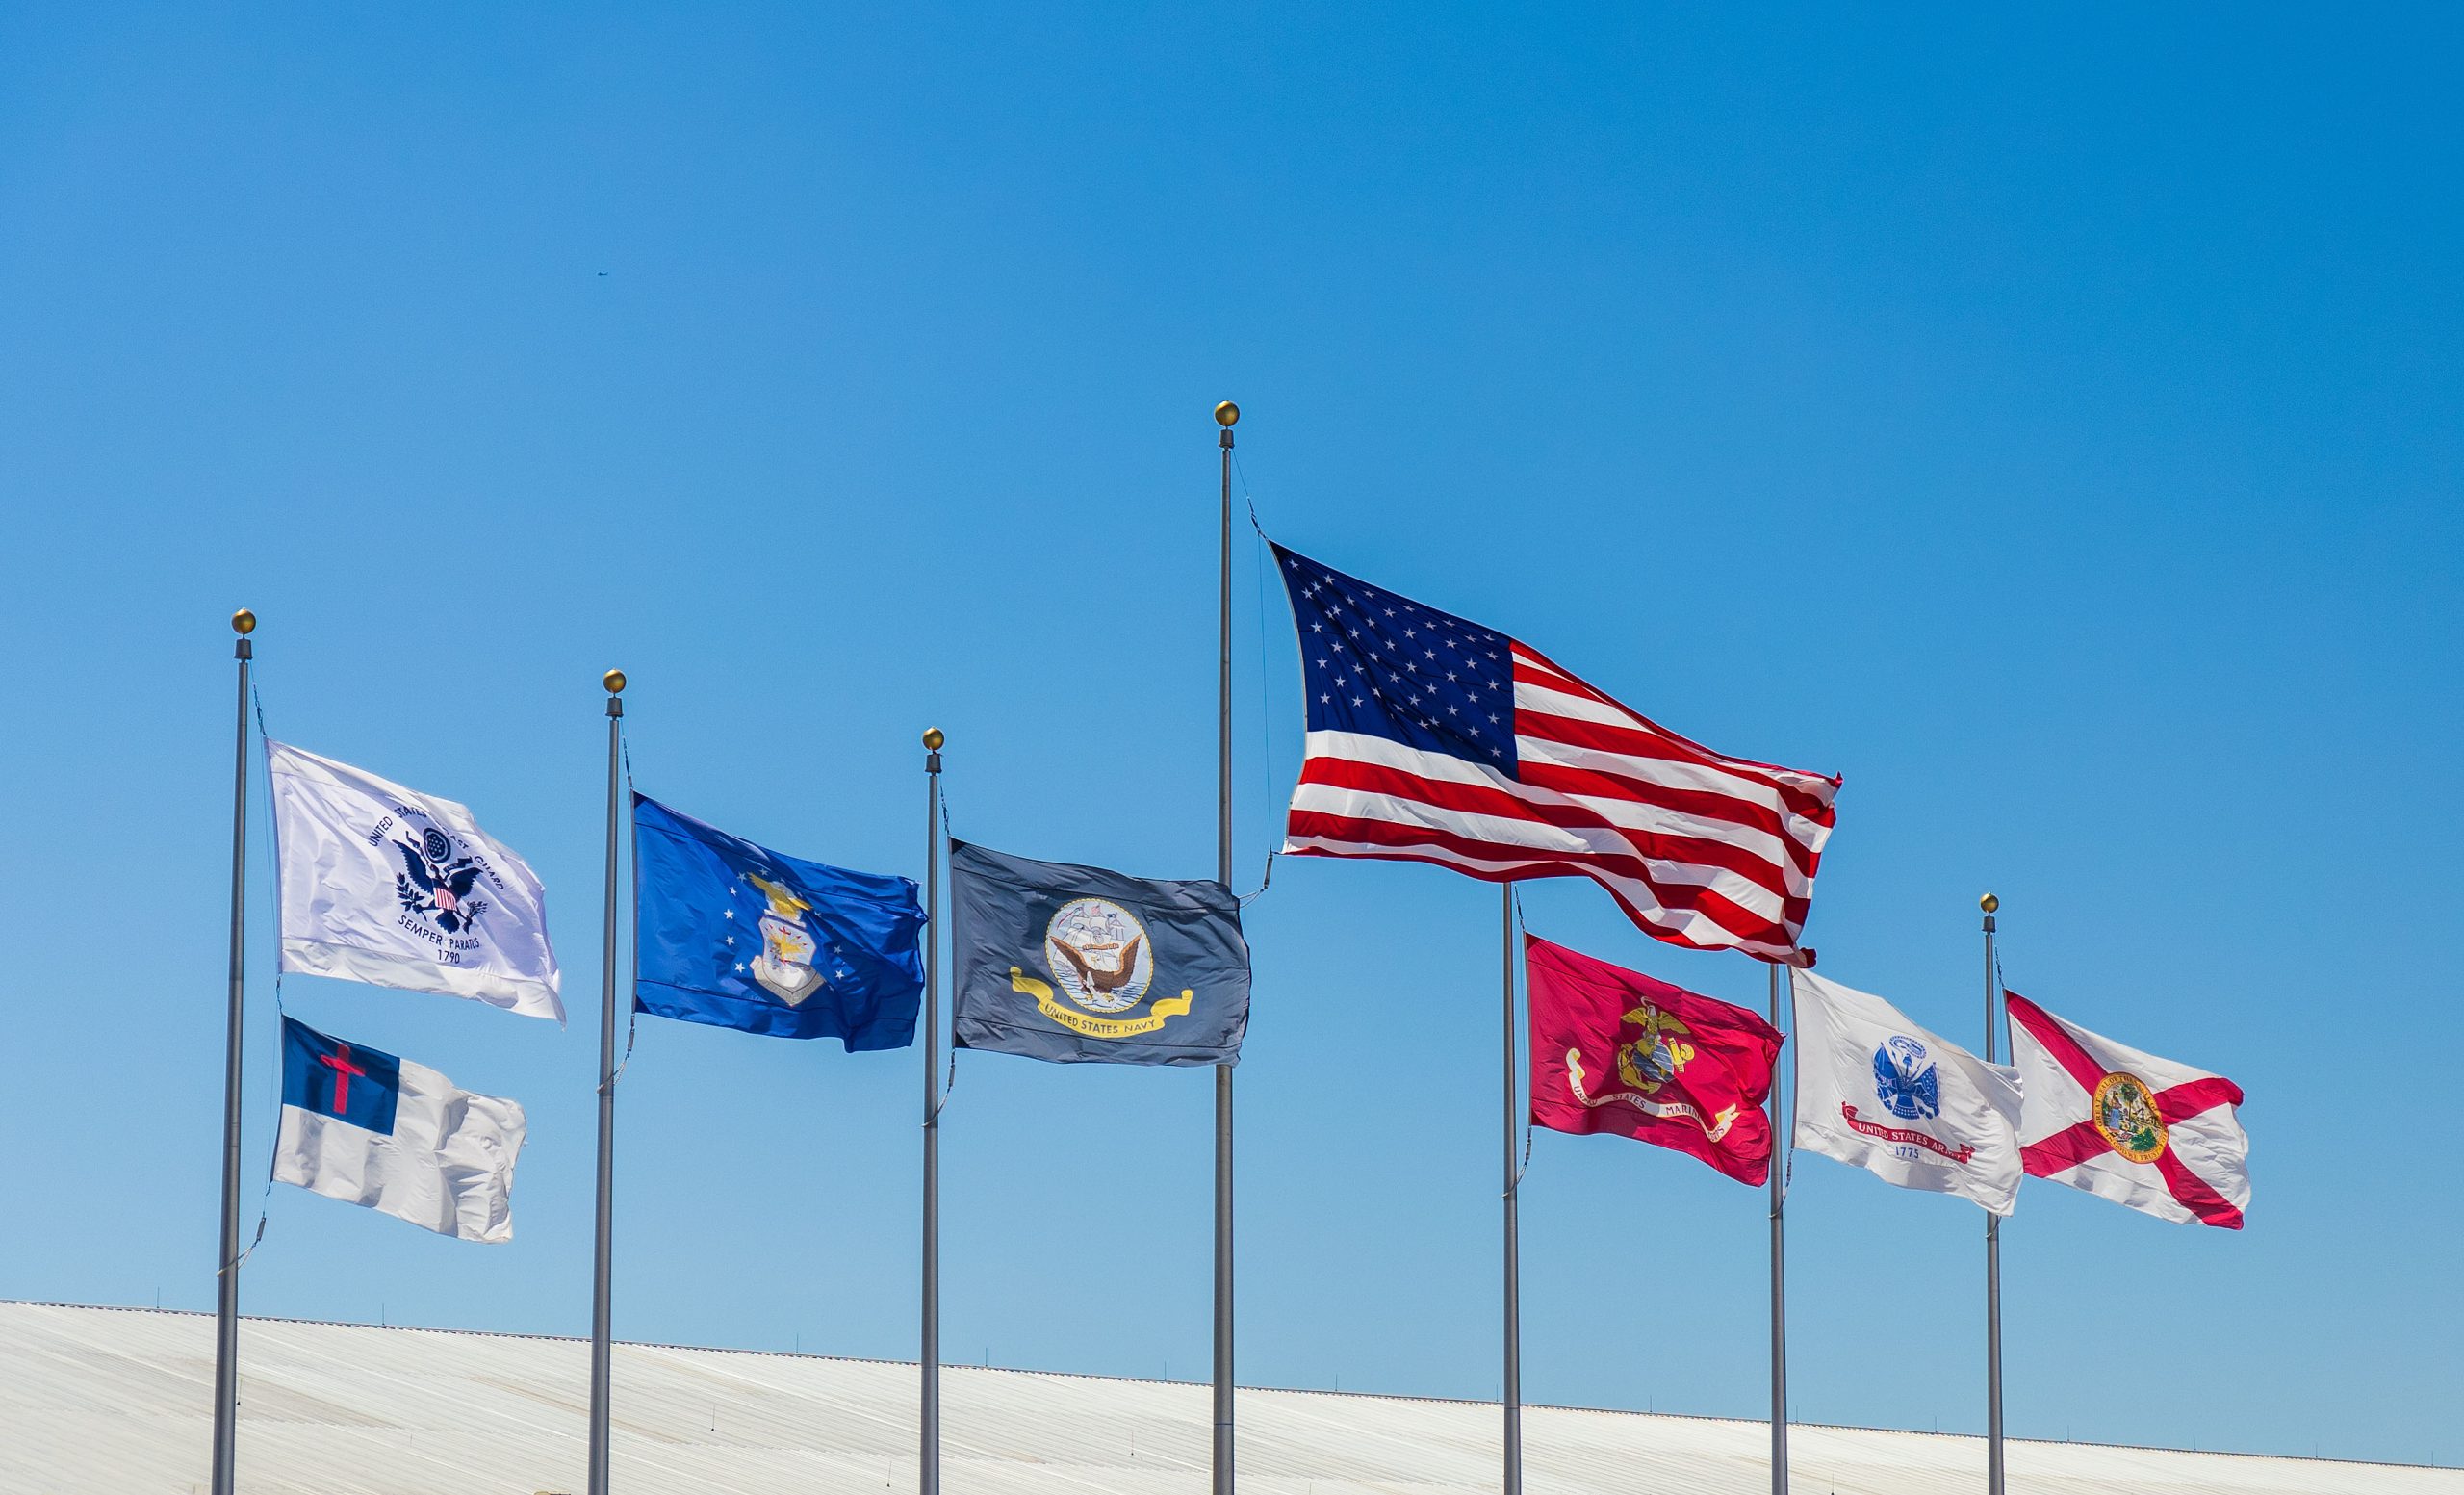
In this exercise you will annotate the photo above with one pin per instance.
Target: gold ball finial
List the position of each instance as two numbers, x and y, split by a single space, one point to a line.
1227 414
243 622
933 739
1989 903
614 681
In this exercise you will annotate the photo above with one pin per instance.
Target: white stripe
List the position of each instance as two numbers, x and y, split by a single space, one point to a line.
1697 927
1560 840
1544 697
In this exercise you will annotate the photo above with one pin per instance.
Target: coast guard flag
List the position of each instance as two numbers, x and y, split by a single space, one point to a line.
1879 1093
738 935
1613 1050
1075 963
2128 1127
368 1128
401 890
1434 739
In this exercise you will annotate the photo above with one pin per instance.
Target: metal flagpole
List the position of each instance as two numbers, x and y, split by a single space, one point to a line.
1511 1382
1227 415
603 1254
928 1463
1779 1283
1993 1234
227 1292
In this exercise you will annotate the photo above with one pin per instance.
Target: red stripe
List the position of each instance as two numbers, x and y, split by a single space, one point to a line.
1389 841
2192 1096
1532 665
1392 834
1483 799
2057 1041
2195 1194
1638 788
2068 1148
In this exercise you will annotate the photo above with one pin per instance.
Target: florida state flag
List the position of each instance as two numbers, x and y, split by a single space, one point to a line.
2126 1125
1613 1050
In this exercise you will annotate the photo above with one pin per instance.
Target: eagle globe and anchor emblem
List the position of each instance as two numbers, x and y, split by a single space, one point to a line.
1658 1056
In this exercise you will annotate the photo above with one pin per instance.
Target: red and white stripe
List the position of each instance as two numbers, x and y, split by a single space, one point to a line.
1700 849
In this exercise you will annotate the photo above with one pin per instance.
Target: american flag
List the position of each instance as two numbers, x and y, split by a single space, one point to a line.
1434 739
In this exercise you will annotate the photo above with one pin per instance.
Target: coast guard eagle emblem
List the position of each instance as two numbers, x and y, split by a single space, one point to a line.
436 884
1099 955
2125 1117
1904 1083
1656 1057
784 967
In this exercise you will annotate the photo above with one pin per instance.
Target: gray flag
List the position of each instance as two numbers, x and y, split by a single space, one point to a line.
1074 963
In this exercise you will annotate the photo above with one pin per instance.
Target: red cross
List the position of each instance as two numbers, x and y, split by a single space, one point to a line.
340 1063
2079 1141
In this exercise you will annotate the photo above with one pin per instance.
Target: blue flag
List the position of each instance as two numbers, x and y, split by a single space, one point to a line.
738 936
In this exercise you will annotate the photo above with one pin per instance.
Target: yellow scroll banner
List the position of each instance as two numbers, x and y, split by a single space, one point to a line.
1098 1027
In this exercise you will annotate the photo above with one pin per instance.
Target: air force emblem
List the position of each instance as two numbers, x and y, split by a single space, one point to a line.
784 967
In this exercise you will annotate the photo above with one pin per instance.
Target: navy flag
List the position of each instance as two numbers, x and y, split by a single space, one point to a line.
738 935
1075 963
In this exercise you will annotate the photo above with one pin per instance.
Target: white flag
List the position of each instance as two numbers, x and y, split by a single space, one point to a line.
371 1129
1879 1093
401 890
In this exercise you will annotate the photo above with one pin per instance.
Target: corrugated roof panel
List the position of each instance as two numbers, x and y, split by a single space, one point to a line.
117 1401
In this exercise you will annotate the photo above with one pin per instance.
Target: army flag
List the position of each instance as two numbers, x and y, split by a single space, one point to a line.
403 889
738 935
2128 1127
1075 963
1879 1093
1613 1050
375 1130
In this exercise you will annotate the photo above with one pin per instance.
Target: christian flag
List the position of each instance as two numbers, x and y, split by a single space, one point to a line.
2128 1127
1614 1050
371 1129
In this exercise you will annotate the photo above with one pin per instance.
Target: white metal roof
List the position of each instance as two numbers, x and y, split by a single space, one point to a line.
111 1400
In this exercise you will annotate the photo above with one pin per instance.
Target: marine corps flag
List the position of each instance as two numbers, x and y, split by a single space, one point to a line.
2128 1127
1613 1050
1075 963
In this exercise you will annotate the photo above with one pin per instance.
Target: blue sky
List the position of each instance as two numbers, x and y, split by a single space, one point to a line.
2048 421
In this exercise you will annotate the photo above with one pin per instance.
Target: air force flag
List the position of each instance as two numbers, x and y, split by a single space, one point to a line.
402 890
371 1129
738 935
1074 963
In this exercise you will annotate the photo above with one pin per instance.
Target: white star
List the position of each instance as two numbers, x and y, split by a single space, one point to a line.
730 939
1389 613
1409 665
1408 633
1449 710
1319 627
731 913
1432 654
740 967
1415 700
1449 674
1324 699
1493 718
1321 661
1357 700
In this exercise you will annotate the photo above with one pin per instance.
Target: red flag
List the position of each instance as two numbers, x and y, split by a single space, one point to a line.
1613 1050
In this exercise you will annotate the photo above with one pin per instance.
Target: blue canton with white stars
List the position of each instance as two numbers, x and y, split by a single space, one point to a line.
1387 666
